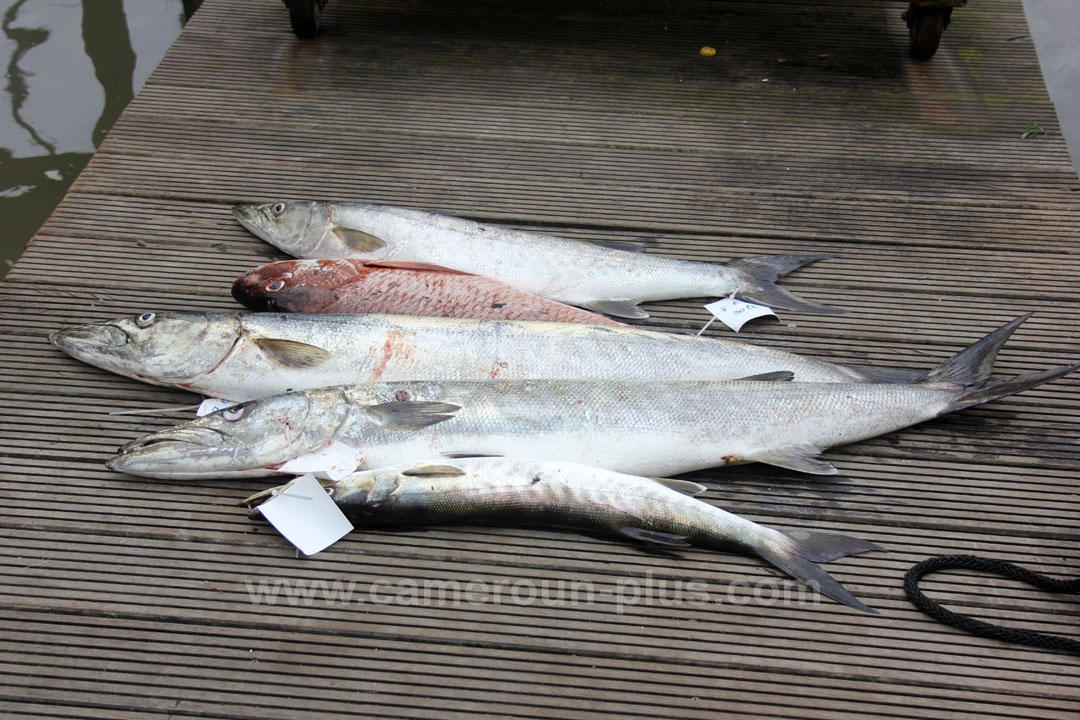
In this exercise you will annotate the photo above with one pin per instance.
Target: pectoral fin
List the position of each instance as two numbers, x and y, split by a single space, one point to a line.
410 414
434 471
657 538
801 458
616 308
291 353
682 486
358 240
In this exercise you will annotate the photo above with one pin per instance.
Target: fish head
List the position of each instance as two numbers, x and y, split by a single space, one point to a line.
298 228
252 439
293 285
160 348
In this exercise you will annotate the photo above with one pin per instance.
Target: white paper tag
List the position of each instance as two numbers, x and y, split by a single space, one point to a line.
736 313
306 516
210 405
334 460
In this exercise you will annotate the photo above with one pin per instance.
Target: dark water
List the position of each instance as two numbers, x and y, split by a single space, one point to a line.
71 67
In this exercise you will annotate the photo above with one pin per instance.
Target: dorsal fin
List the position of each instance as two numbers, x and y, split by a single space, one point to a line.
458 454
624 245
776 376
406 265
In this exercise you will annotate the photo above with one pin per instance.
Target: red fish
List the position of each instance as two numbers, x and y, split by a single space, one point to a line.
395 288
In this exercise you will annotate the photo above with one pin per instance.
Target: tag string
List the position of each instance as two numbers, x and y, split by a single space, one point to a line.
150 411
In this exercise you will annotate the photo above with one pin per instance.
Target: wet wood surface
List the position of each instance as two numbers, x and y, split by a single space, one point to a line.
810 130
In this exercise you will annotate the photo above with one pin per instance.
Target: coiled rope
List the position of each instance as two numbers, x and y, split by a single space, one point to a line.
978 627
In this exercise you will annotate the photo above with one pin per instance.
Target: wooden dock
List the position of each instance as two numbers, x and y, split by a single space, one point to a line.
809 131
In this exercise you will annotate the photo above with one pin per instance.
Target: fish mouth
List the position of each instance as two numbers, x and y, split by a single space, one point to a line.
245 290
181 454
250 216
175 439
90 336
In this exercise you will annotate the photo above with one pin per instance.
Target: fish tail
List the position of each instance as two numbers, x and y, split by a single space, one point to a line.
1003 388
974 366
760 273
798 555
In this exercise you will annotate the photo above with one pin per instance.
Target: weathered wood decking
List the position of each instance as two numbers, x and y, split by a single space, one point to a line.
810 130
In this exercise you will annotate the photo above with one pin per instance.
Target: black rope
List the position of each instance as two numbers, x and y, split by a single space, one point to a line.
978 627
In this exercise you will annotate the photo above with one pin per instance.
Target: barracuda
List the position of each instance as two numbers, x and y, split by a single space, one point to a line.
243 356
516 492
601 278
655 428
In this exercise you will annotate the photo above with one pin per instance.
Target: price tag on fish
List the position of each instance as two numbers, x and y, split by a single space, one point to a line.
736 313
334 460
306 516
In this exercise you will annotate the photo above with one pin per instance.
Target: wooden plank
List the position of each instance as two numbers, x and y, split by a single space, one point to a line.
128 597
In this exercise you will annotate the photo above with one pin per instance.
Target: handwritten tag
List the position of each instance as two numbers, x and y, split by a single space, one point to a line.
210 405
306 516
334 460
736 313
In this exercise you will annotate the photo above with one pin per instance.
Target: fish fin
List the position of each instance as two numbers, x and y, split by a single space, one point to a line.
685 487
405 265
759 276
433 471
291 353
358 240
890 376
624 245
458 454
260 497
801 457
975 364
655 537
1002 388
826 547
616 308
410 414
776 376
810 574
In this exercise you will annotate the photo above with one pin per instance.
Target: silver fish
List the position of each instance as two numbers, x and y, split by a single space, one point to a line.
513 491
601 278
652 429
243 356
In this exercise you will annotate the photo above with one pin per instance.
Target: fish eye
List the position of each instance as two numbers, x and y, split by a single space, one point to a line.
275 286
233 413
145 320
278 209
